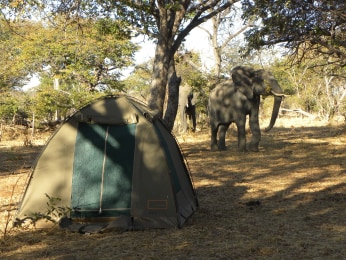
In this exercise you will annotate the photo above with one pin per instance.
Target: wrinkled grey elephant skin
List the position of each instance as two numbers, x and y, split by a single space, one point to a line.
187 108
232 100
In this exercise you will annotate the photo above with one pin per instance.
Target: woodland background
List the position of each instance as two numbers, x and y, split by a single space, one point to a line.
79 50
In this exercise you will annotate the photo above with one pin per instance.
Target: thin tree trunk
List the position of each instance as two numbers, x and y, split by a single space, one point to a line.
216 48
33 127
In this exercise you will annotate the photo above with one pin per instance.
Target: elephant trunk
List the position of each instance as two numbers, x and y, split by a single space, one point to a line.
278 95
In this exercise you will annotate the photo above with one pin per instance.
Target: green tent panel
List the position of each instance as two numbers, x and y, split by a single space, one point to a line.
106 192
113 163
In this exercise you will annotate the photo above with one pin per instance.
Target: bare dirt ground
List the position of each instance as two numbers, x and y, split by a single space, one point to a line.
287 201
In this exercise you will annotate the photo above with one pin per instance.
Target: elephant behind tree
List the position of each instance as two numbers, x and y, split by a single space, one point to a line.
187 108
232 100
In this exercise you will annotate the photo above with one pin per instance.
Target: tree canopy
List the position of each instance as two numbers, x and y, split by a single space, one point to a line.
309 28
87 43
14 70
168 22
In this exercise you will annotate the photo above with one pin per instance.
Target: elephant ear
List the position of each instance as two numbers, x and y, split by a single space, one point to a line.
242 78
261 82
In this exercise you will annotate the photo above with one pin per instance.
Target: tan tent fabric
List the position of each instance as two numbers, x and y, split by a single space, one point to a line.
162 194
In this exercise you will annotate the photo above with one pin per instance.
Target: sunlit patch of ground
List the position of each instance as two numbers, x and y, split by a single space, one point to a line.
285 202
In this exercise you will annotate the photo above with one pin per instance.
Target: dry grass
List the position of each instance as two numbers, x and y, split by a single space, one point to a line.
286 202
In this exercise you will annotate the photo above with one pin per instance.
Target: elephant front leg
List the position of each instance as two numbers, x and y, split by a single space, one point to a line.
193 117
213 143
241 135
183 120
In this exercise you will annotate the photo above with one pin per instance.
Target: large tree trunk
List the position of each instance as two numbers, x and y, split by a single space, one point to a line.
170 19
173 97
160 78
164 75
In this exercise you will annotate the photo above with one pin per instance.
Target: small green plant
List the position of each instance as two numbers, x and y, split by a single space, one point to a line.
53 211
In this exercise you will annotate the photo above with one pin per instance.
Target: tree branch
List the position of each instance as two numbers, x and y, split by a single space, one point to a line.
197 20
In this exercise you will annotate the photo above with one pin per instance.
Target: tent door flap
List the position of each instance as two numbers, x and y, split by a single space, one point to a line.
102 170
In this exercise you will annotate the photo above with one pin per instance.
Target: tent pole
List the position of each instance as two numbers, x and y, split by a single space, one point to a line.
103 169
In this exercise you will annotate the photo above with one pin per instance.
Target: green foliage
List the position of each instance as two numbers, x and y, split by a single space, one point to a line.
86 57
53 211
14 104
314 89
48 102
14 69
168 22
189 67
115 28
87 52
310 29
90 53
8 107
139 81
280 70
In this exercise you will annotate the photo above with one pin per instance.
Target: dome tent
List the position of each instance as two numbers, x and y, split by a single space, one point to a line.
112 163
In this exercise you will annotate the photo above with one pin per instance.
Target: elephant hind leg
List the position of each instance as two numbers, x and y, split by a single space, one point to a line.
256 132
222 137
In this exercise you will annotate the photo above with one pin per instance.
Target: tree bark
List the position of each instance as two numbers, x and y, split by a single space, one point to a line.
169 37
173 97
160 78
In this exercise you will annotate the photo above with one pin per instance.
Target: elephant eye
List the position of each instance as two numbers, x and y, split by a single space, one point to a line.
258 80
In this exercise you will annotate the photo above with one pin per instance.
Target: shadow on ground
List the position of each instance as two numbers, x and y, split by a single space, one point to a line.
285 202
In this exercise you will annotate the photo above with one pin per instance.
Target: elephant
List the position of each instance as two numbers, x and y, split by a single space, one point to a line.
233 99
187 107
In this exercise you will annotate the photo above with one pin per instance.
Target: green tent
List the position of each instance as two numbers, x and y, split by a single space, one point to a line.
112 163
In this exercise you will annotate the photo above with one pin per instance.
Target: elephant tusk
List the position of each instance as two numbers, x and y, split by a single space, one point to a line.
278 94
